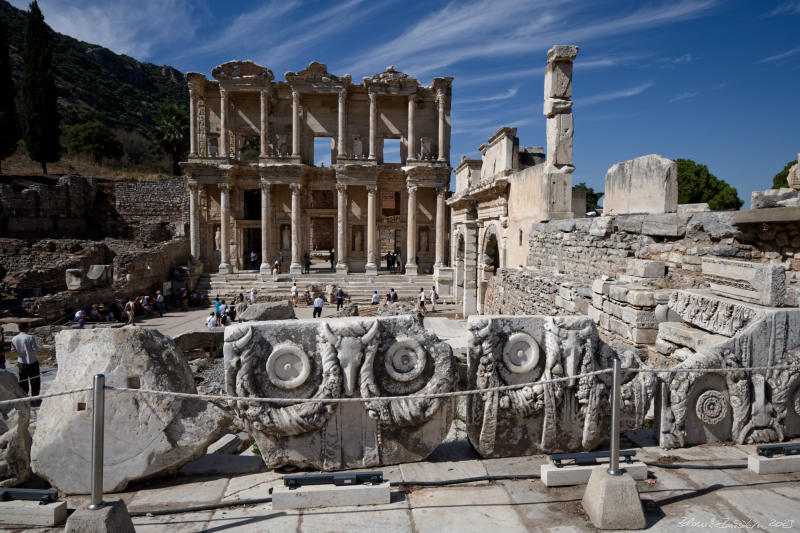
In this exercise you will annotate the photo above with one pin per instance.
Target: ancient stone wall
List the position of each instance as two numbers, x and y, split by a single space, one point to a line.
153 210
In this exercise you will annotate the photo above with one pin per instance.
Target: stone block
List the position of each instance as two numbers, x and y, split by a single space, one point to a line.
664 347
525 349
643 335
568 52
618 293
641 298
784 197
268 311
554 106
30 513
112 517
644 268
310 496
629 223
145 435
601 226
559 131
666 225
639 318
612 502
600 286
597 301
612 309
684 209
604 321
228 443
558 80
683 335
552 476
213 464
15 452
594 314
100 275
648 184
713 313
75 279
345 357
773 465
749 282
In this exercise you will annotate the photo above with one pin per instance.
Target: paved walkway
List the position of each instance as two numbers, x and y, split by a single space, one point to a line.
674 500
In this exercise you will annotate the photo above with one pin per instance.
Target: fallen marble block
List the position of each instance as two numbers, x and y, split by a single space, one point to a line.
268 311
340 358
145 435
15 440
566 416
746 281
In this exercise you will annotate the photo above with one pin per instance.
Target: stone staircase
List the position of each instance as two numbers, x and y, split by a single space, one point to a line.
358 286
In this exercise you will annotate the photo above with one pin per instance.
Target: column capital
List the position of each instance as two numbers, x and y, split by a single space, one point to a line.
412 187
440 96
193 186
223 92
264 91
372 97
372 189
224 187
265 186
341 187
342 95
295 188
412 97
295 93
192 91
441 190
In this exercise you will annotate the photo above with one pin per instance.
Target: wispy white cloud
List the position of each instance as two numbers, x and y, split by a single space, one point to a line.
786 8
685 58
501 96
782 55
495 29
691 94
137 29
613 95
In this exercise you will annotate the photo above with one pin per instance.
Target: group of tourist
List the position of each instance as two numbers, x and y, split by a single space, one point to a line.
225 314
394 261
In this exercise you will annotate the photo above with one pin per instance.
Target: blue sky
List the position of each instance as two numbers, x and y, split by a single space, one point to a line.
711 80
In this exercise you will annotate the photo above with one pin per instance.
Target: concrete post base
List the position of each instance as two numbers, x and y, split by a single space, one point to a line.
341 270
411 270
113 517
295 269
371 269
612 502
224 268
265 269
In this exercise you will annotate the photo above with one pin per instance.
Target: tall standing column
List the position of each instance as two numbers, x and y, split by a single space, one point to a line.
372 267
264 123
412 109
224 215
411 237
194 221
192 121
373 119
266 234
440 212
340 149
223 123
440 103
295 268
295 123
341 229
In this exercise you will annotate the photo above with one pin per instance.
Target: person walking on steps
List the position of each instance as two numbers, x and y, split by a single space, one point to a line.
294 294
433 296
422 299
339 298
27 362
318 304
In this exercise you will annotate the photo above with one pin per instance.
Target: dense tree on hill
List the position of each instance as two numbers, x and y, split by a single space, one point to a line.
40 119
9 131
697 185
780 180
94 139
592 196
171 134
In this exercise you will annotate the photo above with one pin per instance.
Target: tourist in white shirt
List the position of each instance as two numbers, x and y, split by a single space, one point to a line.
318 304
422 299
211 321
26 348
253 295
433 296
294 294
375 298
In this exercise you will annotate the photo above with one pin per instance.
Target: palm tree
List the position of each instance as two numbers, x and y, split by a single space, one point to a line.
171 133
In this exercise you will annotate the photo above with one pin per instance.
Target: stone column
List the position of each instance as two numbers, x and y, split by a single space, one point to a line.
340 150
557 175
223 123
224 215
440 103
192 121
412 108
295 268
194 221
440 212
411 237
341 229
295 123
264 125
469 300
373 119
266 234
372 191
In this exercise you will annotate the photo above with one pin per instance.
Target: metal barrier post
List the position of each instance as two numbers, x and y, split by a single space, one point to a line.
613 466
98 405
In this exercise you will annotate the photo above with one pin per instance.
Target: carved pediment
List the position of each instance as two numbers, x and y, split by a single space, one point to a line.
316 73
391 78
241 69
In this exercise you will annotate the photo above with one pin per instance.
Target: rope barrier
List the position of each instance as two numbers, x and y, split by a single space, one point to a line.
726 369
43 396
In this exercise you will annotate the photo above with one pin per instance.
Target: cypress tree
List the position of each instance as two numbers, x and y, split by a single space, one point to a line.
39 99
9 132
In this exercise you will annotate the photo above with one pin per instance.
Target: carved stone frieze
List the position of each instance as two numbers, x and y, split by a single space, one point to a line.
712 313
354 357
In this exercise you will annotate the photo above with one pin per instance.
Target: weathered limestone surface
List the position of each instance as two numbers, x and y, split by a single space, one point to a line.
783 197
348 357
145 435
269 311
751 407
542 418
15 440
747 281
793 178
647 184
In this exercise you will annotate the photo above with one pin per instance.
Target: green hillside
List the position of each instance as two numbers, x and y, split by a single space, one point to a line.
95 83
